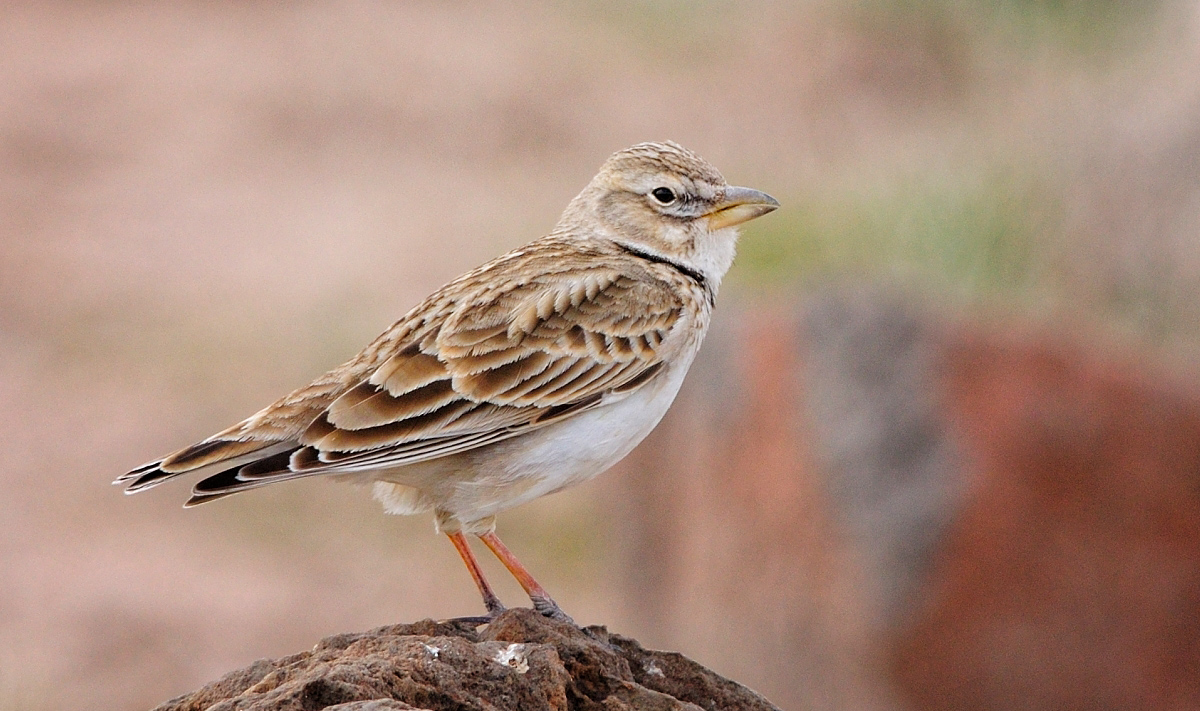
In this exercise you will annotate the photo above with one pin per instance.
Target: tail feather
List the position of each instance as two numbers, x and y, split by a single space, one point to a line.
213 451
149 479
234 479
202 459
198 499
137 472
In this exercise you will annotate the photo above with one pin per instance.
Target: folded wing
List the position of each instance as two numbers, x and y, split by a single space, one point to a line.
467 368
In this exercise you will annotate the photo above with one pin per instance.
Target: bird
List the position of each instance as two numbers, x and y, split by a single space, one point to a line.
529 374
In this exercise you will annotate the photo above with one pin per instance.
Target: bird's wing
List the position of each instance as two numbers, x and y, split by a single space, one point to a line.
479 362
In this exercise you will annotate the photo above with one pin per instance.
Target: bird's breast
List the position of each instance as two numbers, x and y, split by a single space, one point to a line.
568 452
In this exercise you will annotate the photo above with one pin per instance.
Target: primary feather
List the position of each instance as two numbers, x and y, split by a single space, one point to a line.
474 364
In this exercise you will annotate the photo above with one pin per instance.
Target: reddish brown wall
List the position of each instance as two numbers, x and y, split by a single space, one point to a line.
1071 580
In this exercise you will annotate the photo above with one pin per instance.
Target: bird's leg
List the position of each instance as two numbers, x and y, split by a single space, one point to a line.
493 604
541 599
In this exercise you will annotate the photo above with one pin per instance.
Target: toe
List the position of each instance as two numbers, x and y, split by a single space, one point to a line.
549 608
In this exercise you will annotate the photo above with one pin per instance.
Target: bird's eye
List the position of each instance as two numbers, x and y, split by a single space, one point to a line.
665 196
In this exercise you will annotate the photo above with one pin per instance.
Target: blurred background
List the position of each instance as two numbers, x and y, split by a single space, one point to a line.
941 450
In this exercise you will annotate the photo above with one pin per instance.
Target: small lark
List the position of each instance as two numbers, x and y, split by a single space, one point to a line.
532 373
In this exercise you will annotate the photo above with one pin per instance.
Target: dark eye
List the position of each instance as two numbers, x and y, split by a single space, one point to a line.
666 196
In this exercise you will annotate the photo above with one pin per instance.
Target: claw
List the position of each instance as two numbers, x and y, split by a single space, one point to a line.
549 608
474 621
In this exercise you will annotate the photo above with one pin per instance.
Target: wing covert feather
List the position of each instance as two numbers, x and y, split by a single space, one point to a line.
482 360
501 360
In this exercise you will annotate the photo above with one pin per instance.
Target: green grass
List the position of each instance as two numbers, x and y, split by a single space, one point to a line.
695 28
976 238
999 242
1087 27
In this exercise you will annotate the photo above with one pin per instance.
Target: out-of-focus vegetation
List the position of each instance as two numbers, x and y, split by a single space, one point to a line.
1091 30
975 239
1011 114
1003 116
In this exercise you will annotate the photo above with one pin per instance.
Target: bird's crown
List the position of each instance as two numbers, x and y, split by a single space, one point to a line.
664 157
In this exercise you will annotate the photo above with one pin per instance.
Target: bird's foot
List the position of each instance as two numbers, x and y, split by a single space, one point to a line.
470 620
479 620
549 608
494 608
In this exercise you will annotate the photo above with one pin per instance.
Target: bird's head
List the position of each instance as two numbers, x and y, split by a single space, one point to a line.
663 199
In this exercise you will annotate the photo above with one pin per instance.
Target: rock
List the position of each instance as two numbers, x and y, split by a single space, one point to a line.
520 661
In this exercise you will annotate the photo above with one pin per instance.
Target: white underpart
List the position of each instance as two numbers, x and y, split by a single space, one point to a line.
474 486
575 450
400 499
713 254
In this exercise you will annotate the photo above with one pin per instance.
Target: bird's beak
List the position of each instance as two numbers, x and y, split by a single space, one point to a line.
739 205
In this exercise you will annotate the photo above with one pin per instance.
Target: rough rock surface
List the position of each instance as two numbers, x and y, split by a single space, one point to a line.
520 661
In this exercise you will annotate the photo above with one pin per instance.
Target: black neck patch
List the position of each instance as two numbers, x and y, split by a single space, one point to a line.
681 268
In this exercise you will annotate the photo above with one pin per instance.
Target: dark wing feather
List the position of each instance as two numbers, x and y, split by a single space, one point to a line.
482 361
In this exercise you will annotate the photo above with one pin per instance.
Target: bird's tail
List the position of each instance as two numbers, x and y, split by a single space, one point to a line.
204 458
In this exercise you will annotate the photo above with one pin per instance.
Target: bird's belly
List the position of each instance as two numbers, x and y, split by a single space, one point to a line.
515 471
